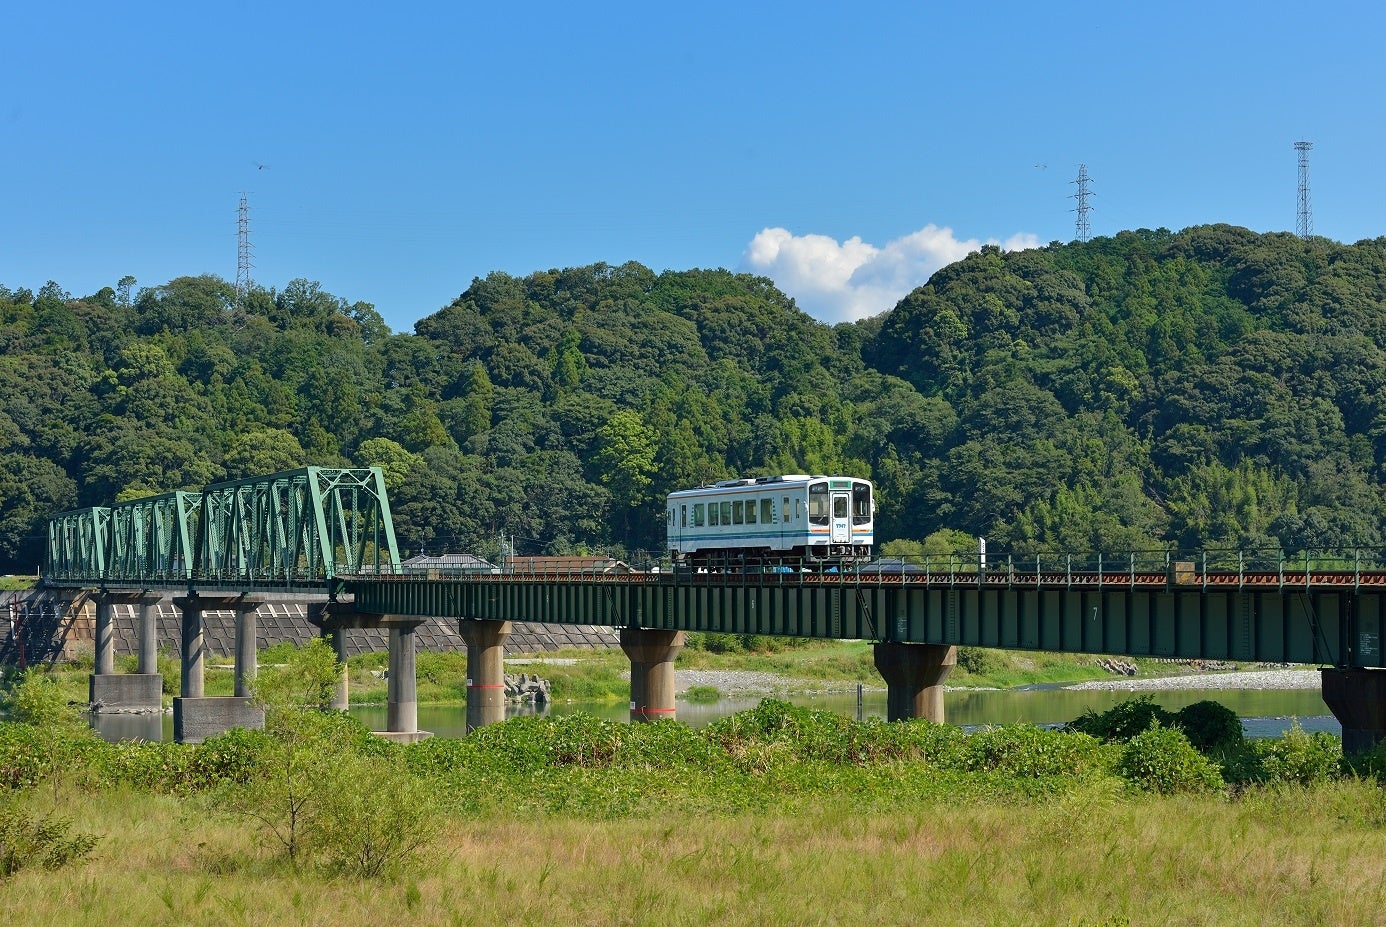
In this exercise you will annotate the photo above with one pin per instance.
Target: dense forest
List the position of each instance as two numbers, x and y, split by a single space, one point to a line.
1208 388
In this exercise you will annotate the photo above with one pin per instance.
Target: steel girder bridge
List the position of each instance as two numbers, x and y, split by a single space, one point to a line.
330 531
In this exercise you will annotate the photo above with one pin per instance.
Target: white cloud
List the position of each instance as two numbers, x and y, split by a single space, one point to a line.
845 281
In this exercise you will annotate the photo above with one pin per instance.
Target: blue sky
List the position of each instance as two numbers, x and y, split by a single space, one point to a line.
845 150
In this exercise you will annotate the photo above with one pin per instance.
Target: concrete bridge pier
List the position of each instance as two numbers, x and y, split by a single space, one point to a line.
247 628
195 716
112 691
341 699
651 654
1357 698
914 675
485 670
402 699
149 637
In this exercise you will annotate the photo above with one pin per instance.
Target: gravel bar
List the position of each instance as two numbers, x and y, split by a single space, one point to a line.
1251 679
749 682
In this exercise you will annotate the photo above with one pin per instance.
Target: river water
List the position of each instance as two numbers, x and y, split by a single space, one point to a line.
1264 712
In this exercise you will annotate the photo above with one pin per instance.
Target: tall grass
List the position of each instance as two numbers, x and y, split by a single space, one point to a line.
1087 857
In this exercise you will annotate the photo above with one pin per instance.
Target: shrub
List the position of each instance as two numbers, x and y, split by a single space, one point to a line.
979 661
703 695
1161 759
44 841
1298 757
1210 726
713 642
24 756
232 757
374 816
1032 752
443 756
1122 721
34 697
170 667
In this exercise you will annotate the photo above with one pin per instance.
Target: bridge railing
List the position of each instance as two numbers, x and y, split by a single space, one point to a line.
1202 569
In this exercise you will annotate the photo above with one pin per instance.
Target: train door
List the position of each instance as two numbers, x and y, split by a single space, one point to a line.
842 518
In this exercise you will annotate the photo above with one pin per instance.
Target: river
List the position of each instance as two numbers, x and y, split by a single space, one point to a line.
1264 712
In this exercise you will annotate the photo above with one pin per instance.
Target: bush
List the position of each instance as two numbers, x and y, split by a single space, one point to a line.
1297 757
703 695
1210 726
1032 752
979 661
24 756
1161 759
26 842
170 667
374 817
1123 721
34 697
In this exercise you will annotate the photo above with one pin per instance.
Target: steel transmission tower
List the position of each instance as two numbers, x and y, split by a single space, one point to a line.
244 252
1304 224
1081 230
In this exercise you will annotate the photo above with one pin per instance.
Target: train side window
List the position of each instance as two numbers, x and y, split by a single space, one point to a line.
786 509
683 516
767 511
750 511
738 512
726 513
698 515
712 513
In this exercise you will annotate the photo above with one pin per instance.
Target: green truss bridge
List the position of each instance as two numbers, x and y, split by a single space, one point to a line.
328 533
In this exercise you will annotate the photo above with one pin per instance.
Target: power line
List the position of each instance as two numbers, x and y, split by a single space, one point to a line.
1081 231
1304 223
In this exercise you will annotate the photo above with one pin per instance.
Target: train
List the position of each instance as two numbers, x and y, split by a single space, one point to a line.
792 519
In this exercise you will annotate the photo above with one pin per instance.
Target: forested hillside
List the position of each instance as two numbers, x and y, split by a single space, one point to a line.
1213 387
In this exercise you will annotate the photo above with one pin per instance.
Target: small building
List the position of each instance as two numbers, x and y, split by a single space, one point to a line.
552 566
447 565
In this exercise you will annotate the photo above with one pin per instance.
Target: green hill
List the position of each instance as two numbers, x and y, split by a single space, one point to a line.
1212 387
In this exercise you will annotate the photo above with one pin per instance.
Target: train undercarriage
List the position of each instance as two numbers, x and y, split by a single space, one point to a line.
758 560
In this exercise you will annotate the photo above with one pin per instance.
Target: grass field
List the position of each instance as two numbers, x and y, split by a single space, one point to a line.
1289 856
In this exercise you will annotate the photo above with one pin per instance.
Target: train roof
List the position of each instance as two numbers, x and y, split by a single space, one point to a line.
764 482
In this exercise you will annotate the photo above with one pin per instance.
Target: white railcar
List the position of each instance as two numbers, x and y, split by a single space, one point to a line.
772 519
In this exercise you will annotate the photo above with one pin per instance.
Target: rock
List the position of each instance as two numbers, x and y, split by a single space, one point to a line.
524 688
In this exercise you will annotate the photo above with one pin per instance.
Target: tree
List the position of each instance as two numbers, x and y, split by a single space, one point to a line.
394 461
327 789
262 452
625 457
